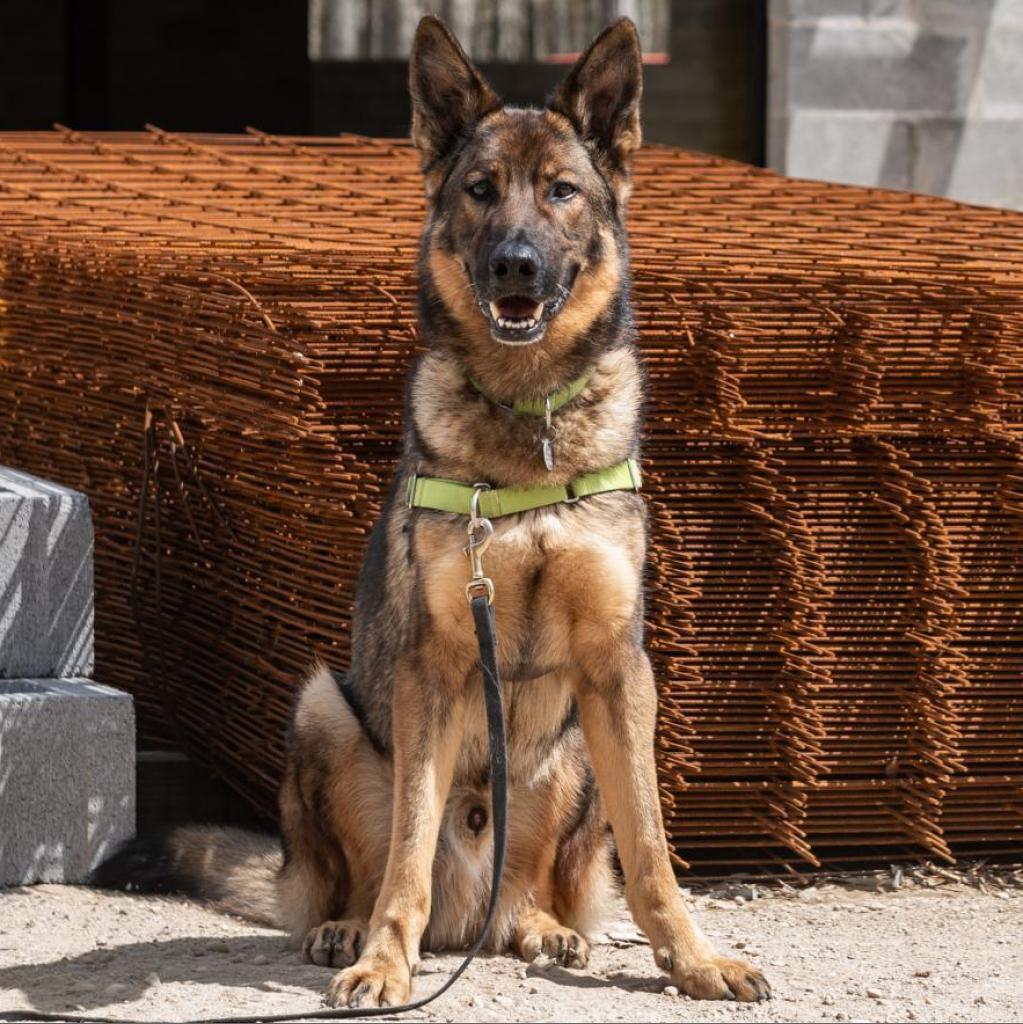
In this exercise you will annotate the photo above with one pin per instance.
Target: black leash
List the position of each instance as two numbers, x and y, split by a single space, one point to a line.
483 620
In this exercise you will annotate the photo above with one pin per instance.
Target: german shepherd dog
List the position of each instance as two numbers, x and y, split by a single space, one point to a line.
524 287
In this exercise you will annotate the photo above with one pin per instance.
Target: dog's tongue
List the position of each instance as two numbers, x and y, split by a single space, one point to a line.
517 307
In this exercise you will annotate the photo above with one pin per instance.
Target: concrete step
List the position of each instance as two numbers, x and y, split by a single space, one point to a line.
67 777
46 585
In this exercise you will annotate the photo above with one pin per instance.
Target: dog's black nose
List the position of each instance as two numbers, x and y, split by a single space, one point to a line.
477 820
514 262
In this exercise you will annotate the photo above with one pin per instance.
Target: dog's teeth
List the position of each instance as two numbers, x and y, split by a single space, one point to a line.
507 324
526 323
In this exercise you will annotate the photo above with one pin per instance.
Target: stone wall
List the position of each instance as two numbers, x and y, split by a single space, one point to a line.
915 94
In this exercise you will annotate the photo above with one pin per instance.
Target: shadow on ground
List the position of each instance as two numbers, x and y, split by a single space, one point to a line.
51 986
251 963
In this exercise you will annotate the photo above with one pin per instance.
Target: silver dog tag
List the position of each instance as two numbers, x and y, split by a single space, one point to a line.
547 448
547 439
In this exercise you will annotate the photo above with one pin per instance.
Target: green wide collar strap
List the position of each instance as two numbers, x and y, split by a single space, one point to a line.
538 406
442 495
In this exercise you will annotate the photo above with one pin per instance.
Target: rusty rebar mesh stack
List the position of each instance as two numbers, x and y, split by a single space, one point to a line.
209 336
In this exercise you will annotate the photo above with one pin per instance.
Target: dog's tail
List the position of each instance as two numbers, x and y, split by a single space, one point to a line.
233 870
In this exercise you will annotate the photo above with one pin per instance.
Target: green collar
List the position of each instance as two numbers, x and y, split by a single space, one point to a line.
538 406
451 496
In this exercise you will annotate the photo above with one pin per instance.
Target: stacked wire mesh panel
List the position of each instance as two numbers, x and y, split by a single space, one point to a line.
209 335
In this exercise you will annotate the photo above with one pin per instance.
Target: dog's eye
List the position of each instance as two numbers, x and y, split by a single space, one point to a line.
479 189
563 190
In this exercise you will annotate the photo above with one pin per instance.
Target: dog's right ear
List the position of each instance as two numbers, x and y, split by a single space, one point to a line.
449 95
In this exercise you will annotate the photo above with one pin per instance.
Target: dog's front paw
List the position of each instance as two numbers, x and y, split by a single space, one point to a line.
373 981
720 977
565 946
335 943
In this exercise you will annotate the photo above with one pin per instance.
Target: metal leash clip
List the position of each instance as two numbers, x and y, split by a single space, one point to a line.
481 533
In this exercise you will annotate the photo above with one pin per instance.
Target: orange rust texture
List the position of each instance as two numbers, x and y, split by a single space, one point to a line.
833 456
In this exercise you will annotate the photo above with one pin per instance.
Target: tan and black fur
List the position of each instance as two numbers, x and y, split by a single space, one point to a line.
384 805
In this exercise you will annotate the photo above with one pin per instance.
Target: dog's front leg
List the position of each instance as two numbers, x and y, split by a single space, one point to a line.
427 730
618 707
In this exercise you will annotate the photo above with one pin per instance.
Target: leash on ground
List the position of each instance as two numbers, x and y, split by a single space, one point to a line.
480 593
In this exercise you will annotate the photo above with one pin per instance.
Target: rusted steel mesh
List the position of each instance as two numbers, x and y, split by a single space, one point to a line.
209 336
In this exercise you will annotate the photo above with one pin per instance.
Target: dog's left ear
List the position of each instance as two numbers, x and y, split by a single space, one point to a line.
449 95
600 96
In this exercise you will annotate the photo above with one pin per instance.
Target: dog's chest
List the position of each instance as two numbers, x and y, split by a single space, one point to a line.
553 571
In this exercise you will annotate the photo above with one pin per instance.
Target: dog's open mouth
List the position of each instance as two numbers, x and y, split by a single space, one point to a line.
520 319
517 316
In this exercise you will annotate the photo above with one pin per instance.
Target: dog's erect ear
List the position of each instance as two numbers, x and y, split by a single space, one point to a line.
449 95
600 96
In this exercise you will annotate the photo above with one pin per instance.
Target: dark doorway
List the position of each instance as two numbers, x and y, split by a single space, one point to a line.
197 65
220 65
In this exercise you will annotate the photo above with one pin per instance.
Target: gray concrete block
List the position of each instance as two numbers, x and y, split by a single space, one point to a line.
821 8
965 16
67 778
979 161
922 94
997 88
46 583
888 64
890 8
854 149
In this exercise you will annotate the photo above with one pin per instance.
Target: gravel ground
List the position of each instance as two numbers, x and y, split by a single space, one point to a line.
943 952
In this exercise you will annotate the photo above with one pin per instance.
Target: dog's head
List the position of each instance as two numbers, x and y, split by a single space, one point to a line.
526 235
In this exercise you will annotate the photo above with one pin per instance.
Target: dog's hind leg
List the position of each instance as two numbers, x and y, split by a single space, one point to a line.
584 878
314 882
338 939
335 805
530 889
573 877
